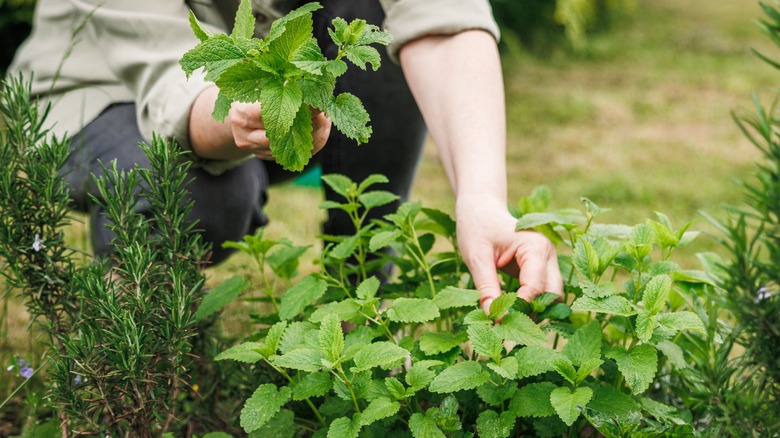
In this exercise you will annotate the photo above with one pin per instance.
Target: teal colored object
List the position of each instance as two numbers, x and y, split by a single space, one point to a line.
310 178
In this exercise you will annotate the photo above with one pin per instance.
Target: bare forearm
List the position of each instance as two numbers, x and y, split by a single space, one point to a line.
458 85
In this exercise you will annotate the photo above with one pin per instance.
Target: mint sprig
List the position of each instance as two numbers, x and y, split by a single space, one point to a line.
287 73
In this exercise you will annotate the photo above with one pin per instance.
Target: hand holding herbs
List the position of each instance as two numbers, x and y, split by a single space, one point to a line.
288 75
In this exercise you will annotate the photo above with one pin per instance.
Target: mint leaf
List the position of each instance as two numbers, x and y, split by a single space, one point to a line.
297 32
566 402
368 288
214 55
331 337
614 305
679 321
534 360
246 352
463 375
378 409
533 400
485 341
350 117
302 359
423 426
518 327
420 375
309 58
412 310
638 366
345 310
501 305
340 184
299 334
657 293
293 150
244 24
584 344
312 385
221 108
456 297
279 26
432 343
343 427
383 239
197 28
281 100
492 425
303 293
263 405
377 198
242 82
645 325
281 425
379 354
221 295
507 368
608 400
362 55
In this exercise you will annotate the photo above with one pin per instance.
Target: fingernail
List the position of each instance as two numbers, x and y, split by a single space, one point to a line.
488 302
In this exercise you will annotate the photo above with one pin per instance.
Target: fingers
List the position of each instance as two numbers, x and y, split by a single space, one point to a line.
539 271
483 271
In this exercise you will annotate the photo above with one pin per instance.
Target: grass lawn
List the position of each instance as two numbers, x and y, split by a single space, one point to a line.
639 122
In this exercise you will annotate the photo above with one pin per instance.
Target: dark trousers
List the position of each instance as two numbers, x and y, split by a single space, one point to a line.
230 205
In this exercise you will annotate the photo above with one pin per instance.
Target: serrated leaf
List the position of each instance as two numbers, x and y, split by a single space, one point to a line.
566 402
556 311
318 90
214 55
302 359
485 341
506 369
281 425
645 325
563 366
345 248
540 303
331 337
264 403
309 58
242 82
614 305
378 409
412 310
197 28
362 55
281 100
340 184
451 297
271 341
383 239
660 410
608 400
284 261
345 310
221 295
657 293
477 316
638 366
533 400
298 29
602 289
501 305
244 23
534 360
367 288
679 321
518 327
422 426
442 219
532 220
673 353
299 335
585 344
312 385
463 375
432 343
298 297
420 375
496 395
395 388
492 425
350 117
345 427
293 150
246 352
377 198
221 108
379 354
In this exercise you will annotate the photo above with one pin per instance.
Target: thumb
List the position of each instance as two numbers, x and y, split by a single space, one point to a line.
483 271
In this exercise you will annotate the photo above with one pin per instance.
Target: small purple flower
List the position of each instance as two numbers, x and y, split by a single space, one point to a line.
21 362
78 379
26 372
38 243
762 294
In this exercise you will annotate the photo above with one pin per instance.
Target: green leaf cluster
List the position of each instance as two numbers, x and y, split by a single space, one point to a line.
287 73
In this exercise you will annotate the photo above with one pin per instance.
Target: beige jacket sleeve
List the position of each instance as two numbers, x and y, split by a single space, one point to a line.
407 20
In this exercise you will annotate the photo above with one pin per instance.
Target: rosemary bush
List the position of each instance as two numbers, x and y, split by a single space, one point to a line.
119 330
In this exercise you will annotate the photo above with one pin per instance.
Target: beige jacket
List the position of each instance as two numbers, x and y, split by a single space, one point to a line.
84 55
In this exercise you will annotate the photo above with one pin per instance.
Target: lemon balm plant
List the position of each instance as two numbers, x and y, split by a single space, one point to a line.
365 357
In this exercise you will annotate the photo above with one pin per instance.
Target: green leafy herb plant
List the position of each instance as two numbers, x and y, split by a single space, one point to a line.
360 356
288 74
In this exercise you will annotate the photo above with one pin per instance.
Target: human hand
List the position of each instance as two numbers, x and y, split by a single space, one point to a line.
249 133
488 241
